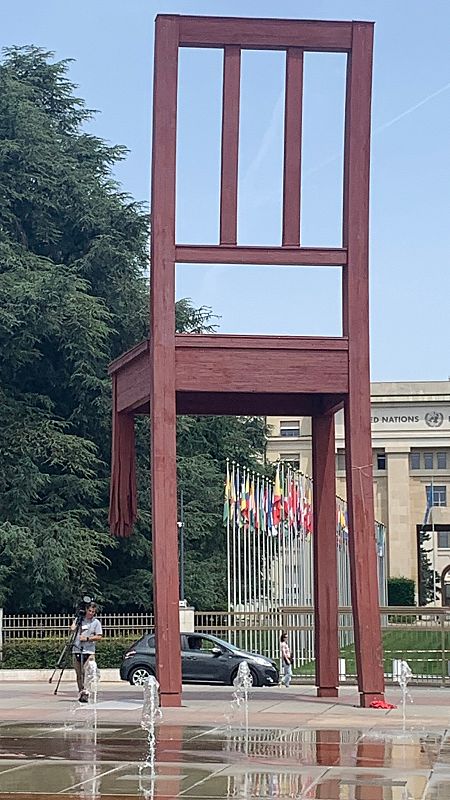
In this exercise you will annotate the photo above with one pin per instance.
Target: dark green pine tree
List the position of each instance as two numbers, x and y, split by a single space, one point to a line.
73 296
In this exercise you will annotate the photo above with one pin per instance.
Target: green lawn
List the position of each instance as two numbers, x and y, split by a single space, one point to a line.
426 651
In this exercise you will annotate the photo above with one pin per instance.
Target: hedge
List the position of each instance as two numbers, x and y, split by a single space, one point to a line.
401 592
44 653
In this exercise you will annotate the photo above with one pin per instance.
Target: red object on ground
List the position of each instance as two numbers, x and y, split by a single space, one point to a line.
381 704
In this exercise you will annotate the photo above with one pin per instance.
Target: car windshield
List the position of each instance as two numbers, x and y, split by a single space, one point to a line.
222 643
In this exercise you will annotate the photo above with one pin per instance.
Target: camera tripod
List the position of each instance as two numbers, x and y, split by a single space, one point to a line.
65 652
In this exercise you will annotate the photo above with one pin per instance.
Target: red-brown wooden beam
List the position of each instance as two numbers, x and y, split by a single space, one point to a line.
232 404
328 749
169 741
162 365
261 370
133 382
262 256
329 404
247 404
292 147
328 754
358 447
325 559
265 34
371 756
230 144
327 356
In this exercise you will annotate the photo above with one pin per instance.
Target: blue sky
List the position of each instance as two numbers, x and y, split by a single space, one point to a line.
112 44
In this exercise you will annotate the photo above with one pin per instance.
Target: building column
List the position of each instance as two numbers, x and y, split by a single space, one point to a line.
325 557
401 534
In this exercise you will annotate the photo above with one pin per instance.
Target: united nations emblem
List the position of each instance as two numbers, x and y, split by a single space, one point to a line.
434 419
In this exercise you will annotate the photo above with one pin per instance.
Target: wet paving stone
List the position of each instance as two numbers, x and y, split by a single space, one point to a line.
84 759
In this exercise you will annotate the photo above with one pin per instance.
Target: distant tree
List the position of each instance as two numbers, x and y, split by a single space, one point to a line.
429 580
73 296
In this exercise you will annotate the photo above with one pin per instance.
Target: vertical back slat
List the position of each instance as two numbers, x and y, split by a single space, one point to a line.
230 144
292 146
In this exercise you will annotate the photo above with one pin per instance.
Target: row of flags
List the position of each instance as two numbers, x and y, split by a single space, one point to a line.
258 504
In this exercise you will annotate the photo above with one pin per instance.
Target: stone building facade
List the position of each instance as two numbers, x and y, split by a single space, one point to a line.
411 468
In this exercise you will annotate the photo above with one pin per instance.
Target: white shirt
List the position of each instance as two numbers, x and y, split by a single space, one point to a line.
285 653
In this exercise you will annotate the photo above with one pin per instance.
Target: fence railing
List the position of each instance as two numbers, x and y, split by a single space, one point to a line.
40 626
420 636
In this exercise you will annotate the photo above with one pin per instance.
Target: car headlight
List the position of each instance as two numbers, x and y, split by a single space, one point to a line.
263 662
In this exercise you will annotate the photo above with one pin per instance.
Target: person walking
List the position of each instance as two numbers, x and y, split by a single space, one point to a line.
88 632
286 660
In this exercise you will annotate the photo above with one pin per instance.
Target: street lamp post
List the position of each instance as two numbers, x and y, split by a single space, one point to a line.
181 529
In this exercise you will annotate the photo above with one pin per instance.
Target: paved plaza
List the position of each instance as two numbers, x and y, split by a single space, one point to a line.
295 746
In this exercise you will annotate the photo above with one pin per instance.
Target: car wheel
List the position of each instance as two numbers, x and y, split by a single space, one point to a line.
253 675
139 676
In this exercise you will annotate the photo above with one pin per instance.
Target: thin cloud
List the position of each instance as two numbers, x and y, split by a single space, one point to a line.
383 126
412 108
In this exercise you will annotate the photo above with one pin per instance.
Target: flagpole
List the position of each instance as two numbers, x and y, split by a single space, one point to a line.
256 565
291 518
252 565
295 568
282 542
239 554
276 578
288 588
271 563
267 585
233 569
434 542
264 587
228 546
235 545
244 546
181 526
260 533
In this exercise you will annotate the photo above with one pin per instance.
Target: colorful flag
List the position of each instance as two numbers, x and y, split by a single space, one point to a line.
251 503
308 511
233 496
244 495
258 505
269 489
277 497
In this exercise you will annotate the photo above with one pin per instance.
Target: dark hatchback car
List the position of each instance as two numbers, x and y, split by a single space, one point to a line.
204 659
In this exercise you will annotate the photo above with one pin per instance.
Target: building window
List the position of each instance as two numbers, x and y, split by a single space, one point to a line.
291 459
441 459
443 540
428 460
340 461
290 427
439 496
414 460
381 461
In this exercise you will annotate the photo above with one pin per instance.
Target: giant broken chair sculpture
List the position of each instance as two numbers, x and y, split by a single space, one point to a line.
174 374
